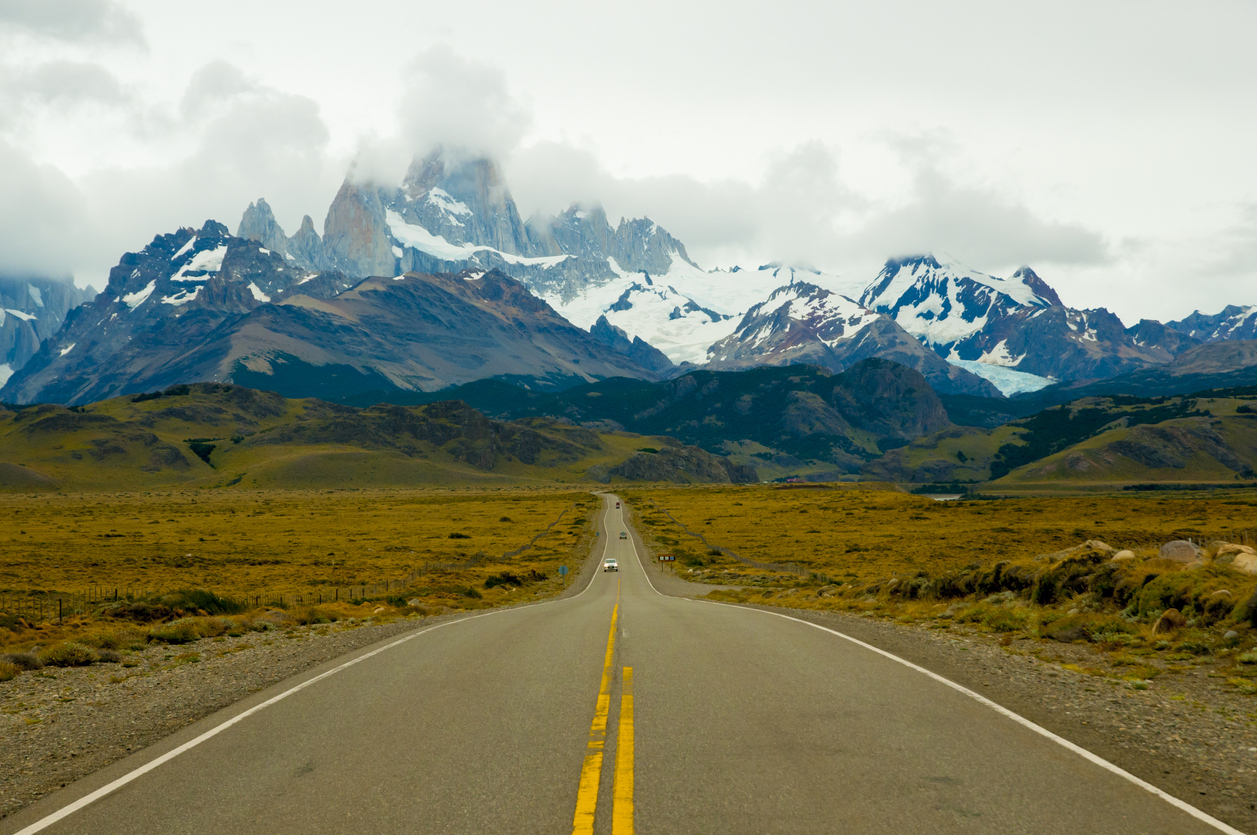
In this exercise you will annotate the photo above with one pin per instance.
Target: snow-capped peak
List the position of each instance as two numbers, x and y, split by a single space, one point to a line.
943 302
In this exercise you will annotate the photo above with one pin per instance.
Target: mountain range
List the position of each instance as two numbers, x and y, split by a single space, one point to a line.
439 280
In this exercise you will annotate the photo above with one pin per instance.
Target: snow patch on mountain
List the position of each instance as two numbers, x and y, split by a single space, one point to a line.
134 300
442 199
204 262
998 355
1009 381
24 316
414 236
686 310
5 373
257 292
182 297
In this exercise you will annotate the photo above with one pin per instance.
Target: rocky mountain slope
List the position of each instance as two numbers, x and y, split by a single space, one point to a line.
161 304
1233 322
805 324
212 307
212 435
1018 323
31 310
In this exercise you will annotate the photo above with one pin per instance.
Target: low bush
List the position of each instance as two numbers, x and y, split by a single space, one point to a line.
138 611
23 660
8 671
191 600
313 614
183 631
69 654
1088 627
506 578
108 656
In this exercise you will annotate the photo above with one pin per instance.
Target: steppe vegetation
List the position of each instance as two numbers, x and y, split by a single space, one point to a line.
1040 572
174 568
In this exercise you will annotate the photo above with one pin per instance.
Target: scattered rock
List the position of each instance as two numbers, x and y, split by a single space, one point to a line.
1245 563
1123 555
414 601
1170 620
1180 550
377 610
1228 551
1221 593
1230 635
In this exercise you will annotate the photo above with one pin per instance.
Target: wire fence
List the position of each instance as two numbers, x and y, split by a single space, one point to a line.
787 568
37 606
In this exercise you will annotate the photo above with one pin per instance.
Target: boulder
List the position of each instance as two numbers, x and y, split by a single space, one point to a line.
1245 563
1093 550
1123 556
1228 551
1170 620
1180 550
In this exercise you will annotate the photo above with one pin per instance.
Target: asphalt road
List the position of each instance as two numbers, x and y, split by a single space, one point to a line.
523 720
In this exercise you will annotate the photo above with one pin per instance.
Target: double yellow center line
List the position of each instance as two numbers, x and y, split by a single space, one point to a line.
591 771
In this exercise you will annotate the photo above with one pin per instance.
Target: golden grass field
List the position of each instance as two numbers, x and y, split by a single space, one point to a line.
863 534
1020 569
316 545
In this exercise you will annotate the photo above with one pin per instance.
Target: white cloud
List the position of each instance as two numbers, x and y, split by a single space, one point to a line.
42 217
73 20
446 101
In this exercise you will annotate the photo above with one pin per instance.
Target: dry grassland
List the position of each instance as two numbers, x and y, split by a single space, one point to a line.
862 535
260 546
1017 569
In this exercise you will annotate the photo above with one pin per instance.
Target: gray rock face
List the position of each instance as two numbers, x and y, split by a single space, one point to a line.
636 349
463 202
355 234
31 310
306 249
450 214
259 224
1234 322
805 324
1153 335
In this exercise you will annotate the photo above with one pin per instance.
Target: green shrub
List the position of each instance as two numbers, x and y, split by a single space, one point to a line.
23 660
1249 657
69 654
182 631
190 600
1089 627
8 671
1191 592
108 656
1006 620
313 614
506 578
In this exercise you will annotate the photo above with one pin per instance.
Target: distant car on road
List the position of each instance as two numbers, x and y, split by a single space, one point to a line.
617 504
623 534
610 564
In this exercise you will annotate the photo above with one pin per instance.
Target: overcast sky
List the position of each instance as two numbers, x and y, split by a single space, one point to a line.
1110 145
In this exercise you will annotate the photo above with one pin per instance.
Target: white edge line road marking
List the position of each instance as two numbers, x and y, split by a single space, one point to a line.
109 788
998 708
